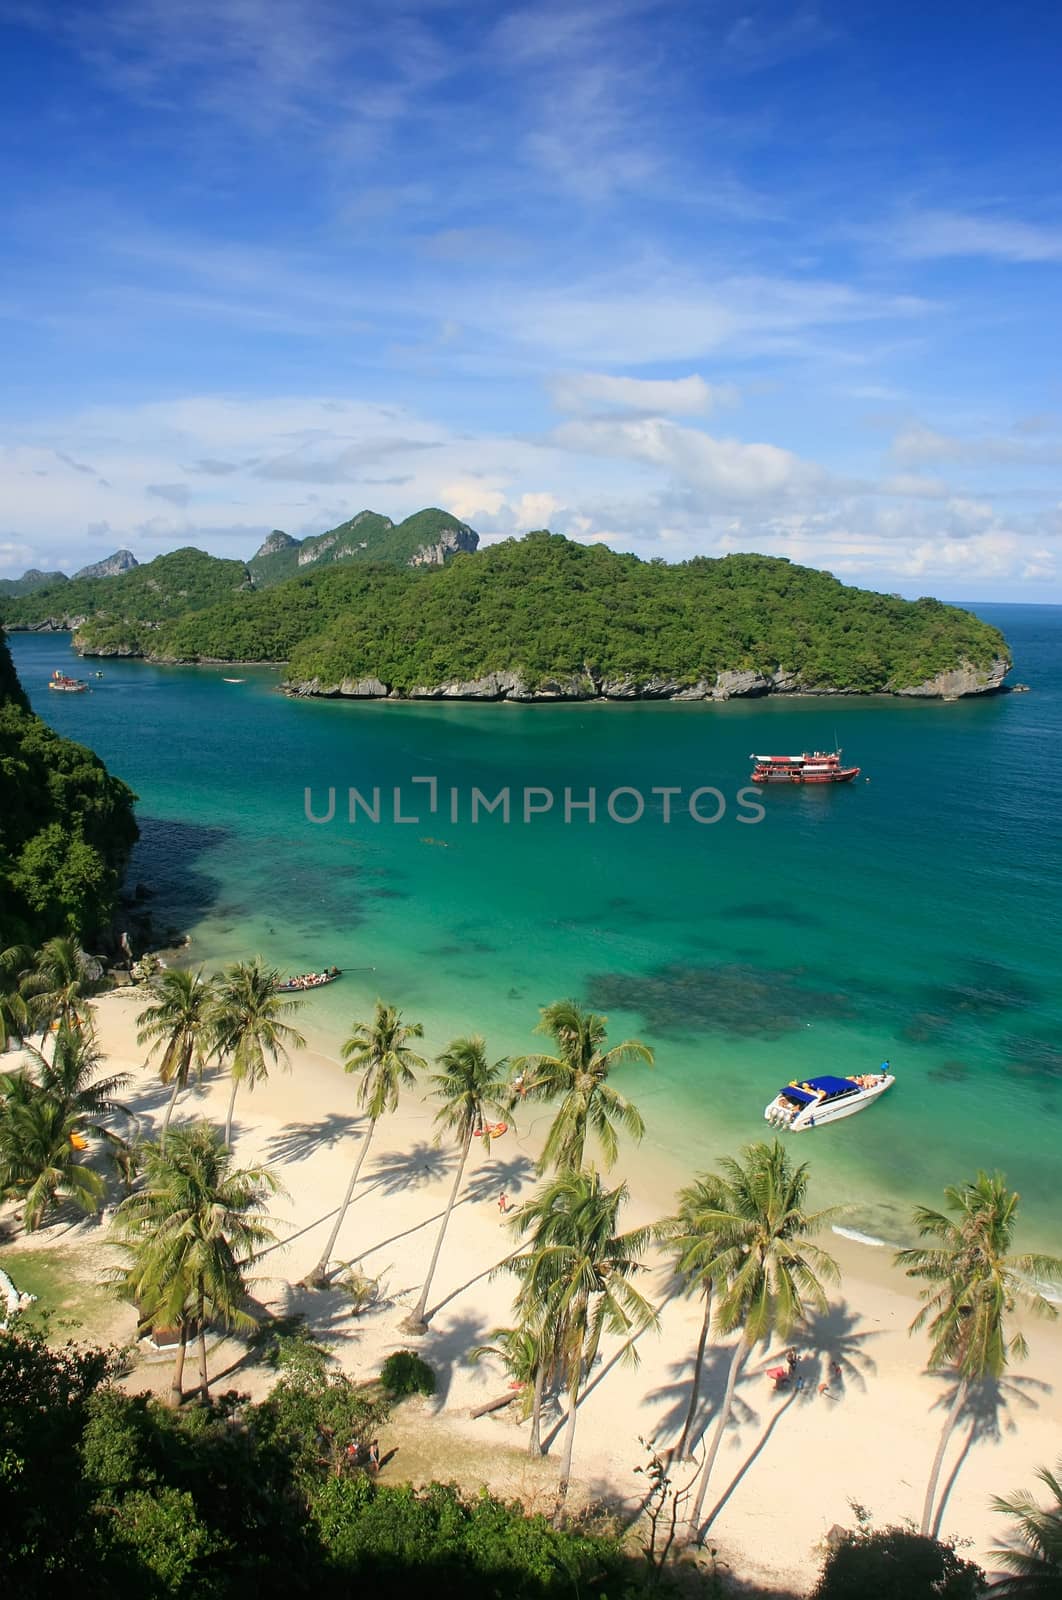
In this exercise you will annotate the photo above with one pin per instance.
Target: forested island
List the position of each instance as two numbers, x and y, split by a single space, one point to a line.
374 610
66 827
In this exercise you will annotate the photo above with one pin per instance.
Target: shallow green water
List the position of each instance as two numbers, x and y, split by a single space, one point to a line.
912 917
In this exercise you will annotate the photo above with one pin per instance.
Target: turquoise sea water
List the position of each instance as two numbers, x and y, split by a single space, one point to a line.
914 917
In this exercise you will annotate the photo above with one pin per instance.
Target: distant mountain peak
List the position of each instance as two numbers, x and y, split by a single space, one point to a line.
277 540
110 566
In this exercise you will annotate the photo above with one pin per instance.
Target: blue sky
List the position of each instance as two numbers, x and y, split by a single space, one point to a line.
684 278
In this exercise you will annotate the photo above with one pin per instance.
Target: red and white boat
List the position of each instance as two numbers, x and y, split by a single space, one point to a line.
65 685
814 766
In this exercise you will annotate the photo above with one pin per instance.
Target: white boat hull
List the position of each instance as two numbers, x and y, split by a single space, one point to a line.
818 1114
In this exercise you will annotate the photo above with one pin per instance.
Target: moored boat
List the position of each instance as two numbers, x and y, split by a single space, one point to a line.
64 685
814 766
309 980
810 1102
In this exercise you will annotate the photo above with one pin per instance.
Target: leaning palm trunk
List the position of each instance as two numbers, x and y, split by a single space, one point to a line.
534 1444
169 1113
741 1350
204 1381
177 1381
228 1114
938 1459
417 1321
681 1452
569 1445
318 1278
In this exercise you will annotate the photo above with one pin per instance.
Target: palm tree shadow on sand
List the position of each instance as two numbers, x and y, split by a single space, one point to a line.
447 1349
987 1415
830 1353
419 1164
297 1141
831 1348
675 1397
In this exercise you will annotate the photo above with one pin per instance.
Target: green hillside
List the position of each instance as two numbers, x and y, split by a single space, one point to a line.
29 581
124 609
545 609
367 538
66 826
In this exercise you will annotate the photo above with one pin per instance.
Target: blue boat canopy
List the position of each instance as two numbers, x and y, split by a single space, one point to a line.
803 1092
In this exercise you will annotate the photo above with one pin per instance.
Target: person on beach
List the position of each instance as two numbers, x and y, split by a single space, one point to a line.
503 1202
791 1360
374 1456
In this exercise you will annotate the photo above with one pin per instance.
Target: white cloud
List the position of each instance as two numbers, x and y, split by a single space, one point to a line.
722 468
649 484
581 392
919 445
14 558
939 235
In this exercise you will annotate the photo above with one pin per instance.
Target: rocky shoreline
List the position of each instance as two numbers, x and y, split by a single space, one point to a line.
960 682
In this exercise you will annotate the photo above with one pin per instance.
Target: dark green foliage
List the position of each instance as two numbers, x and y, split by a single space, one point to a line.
897 1564
44 1405
545 607
450 1545
368 538
404 1373
268 624
110 1495
66 826
342 543
32 579
126 608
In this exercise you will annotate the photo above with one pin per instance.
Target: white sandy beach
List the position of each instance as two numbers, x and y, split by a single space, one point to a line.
790 1464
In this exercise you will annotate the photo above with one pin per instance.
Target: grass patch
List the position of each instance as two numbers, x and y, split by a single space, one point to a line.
68 1304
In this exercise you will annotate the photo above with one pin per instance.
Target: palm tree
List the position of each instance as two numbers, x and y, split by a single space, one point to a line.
972 1285
579 1072
58 986
469 1087
1034 1567
247 1026
765 1272
379 1051
697 1236
69 1079
179 1021
520 1353
576 1280
188 1233
40 1142
14 1012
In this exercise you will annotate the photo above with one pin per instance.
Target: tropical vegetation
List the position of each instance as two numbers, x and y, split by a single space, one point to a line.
189 1230
378 1052
246 1021
972 1284
578 1075
1032 1556
179 1023
111 1494
66 827
766 1271
471 1089
552 611
54 1108
577 1281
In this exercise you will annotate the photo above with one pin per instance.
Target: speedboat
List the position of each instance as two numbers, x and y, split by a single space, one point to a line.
810 1102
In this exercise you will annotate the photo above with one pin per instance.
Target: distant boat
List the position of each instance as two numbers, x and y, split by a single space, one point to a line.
65 685
809 1102
233 680
814 766
309 980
